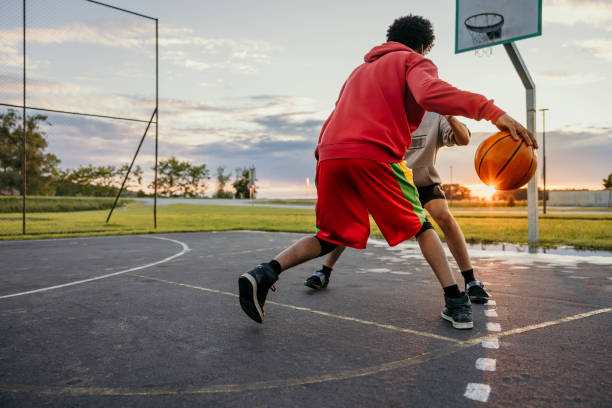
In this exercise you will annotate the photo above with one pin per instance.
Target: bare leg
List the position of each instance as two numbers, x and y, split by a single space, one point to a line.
303 250
438 209
432 250
333 256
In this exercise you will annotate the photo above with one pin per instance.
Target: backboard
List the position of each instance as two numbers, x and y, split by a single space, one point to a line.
483 23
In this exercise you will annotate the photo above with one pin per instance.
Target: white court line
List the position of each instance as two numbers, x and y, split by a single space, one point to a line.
137 268
493 327
486 364
490 313
477 392
491 342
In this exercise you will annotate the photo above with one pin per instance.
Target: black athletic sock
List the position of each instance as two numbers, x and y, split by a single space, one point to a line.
452 291
468 276
327 270
276 266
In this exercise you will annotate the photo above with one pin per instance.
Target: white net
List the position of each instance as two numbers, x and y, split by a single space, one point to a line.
484 28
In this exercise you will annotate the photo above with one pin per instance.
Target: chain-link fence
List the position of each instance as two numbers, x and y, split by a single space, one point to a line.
84 75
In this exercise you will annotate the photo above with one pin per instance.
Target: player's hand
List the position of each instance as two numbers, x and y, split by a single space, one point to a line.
507 123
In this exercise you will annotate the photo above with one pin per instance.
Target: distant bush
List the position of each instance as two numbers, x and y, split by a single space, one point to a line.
13 204
511 201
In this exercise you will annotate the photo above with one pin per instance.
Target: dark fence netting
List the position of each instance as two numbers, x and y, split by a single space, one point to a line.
89 89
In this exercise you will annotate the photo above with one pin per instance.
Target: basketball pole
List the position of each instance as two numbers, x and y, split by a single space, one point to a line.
532 190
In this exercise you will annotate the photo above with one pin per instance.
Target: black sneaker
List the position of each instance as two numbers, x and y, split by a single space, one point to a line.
253 287
458 311
476 292
317 281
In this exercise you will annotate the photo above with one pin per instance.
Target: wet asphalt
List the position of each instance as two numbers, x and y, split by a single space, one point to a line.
154 321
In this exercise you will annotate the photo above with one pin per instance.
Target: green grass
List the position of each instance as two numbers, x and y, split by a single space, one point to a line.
36 204
456 204
585 231
297 201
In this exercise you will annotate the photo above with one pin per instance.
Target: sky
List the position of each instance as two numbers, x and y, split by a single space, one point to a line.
246 83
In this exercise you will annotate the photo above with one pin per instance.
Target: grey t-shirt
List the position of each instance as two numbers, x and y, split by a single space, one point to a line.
433 133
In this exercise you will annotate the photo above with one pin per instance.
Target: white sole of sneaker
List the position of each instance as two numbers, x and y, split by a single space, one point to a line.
457 325
254 286
315 287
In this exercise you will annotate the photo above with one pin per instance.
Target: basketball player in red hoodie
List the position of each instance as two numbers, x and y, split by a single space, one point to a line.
360 166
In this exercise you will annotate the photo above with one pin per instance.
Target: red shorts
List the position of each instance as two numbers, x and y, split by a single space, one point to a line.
349 189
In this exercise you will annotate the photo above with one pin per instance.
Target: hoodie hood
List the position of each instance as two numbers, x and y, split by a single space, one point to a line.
384 49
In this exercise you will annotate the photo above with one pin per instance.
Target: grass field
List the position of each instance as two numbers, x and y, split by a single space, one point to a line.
584 231
458 204
57 204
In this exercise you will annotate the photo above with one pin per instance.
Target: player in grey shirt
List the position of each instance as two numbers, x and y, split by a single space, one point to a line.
434 132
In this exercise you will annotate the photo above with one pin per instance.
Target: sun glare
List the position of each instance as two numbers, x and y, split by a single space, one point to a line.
482 191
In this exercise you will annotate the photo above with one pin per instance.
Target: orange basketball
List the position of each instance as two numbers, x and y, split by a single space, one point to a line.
503 163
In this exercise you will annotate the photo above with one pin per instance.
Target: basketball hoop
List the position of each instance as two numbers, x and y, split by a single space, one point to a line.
484 28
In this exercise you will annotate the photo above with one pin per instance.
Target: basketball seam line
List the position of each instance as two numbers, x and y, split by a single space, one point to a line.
485 153
530 164
510 159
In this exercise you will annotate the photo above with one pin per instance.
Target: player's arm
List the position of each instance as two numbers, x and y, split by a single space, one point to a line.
433 94
461 133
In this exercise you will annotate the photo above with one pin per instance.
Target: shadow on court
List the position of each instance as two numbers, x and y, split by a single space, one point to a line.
155 321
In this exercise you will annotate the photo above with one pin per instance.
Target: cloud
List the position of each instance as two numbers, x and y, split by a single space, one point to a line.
75 96
109 33
183 47
253 118
277 133
563 78
179 46
79 140
598 47
572 12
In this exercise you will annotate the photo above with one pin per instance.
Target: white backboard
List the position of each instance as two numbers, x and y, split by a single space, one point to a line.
483 23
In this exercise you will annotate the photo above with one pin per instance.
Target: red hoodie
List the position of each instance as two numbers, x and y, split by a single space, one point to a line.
384 100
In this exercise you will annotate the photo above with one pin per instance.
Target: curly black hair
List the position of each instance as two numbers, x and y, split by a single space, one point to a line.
415 32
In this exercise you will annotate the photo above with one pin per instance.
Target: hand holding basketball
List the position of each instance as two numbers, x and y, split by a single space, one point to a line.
505 163
509 124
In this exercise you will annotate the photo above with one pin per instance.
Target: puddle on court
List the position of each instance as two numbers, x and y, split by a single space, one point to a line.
561 250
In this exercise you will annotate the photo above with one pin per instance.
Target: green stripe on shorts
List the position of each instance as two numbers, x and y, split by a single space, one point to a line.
403 175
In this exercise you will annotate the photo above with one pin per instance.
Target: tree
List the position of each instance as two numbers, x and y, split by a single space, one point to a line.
242 183
456 192
180 178
519 195
196 177
169 174
97 181
511 201
222 180
41 167
607 182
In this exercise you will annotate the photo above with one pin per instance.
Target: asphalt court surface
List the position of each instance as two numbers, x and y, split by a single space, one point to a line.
154 321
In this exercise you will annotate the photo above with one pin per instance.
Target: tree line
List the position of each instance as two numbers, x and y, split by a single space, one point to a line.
176 178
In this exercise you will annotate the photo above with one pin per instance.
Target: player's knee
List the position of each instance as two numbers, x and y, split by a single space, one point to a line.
426 226
444 220
326 247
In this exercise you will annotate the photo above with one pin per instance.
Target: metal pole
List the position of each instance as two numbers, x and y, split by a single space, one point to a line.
544 157
156 116
532 189
24 165
127 174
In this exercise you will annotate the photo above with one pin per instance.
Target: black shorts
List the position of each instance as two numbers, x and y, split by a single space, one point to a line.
428 193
